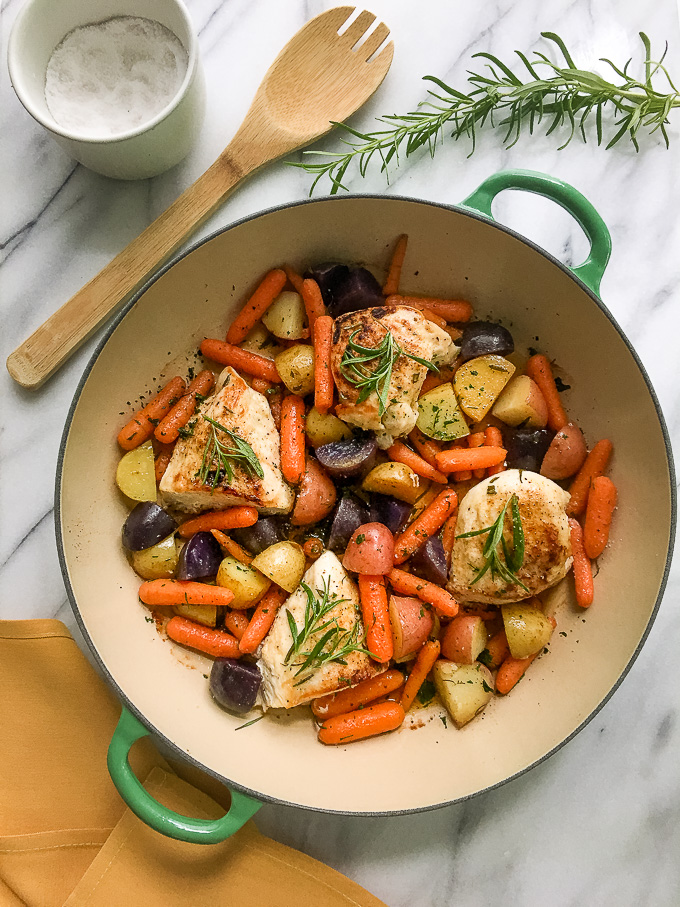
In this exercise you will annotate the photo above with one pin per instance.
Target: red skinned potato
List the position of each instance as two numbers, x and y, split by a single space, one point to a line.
316 497
566 453
464 639
370 550
411 622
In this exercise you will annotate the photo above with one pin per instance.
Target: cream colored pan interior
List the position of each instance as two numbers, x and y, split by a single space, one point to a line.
452 254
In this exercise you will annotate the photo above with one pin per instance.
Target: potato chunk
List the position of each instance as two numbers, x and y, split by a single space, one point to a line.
464 689
527 629
478 383
439 415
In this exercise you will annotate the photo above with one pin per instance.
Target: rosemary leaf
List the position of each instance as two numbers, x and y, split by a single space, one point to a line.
216 464
507 566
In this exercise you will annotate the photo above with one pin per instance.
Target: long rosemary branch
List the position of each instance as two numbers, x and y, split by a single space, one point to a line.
566 96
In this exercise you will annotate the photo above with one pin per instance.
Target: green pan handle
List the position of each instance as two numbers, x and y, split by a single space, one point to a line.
592 269
153 813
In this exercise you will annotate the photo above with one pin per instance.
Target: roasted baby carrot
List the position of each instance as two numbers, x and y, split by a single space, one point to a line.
422 666
167 430
314 304
538 367
232 518
293 278
426 447
205 639
367 722
400 453
450 309
293 438
274 398
599 511
241 360
236 622
323 376
375 613
391 284
497 648
267 291
262 619
431 381
449 537
513 669
493 437
594 466
459 458
355 697
430 521
140 428
229 546
407 584
583 572
437 319
164 592
313 548
261 385
161 463
477 439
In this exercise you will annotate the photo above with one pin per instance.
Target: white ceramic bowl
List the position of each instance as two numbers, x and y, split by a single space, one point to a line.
145 151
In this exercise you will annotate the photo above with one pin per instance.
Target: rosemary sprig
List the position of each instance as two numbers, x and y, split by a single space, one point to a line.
334 645
354 366
218 458
513 556
564 96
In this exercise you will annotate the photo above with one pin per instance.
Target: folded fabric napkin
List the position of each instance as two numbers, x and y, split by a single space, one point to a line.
66 837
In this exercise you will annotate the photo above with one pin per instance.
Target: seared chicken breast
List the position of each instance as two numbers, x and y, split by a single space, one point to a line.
285 685
414 334
239 408
547 545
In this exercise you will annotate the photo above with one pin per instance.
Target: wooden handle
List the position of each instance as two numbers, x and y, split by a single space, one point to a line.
54 341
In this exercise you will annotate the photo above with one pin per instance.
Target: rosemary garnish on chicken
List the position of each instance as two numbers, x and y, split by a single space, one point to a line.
216 465
513 554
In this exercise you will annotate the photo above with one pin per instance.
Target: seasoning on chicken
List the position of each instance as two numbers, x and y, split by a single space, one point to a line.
285 680
412 335
197 478
544 522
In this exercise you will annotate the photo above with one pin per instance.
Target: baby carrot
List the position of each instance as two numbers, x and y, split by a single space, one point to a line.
236 622
426 447
538 367
261 385
376 617
293 438
241 360
583 572
422 666
161 463
274 398
262 619
599 511
430 521
512 669
430 382
293 278
205 639
437 319
164 592
450 309
594 465
449 537
167 430
477 439
232 518
267 291
313 548
229 546
400 453
498 649
314 304
391 284
140 428
323 376
407 584
459 458
354 697
493 437
367 722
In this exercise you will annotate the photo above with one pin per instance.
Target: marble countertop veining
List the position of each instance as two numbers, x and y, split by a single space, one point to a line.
599 822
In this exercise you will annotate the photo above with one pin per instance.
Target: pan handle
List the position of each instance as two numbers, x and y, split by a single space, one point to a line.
592 269
153 813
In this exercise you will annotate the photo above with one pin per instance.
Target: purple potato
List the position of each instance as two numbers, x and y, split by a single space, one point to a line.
348 289
235 684
264 533
349 515
147 523
429 561
389 511
346 459
200 558
526 447
481 338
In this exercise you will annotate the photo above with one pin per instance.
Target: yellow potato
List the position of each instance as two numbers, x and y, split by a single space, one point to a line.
324 429
439 415
260 341
202 614
286 316
478 383
395 479
296 367
247 583
527 629
284 564
464 689
157 562
136 475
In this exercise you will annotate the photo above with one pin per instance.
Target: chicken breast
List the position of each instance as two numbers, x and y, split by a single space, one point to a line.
286 685
547 545
414 334
246 412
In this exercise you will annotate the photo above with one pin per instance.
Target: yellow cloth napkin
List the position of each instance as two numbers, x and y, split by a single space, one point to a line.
66 837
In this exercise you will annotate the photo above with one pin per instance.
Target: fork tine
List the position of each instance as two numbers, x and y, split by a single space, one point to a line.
374 40
384 59
336 16
358 28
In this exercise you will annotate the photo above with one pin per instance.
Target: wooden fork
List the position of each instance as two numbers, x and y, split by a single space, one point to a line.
317 78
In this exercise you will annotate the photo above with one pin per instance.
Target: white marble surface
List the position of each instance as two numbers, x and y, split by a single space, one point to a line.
597 824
